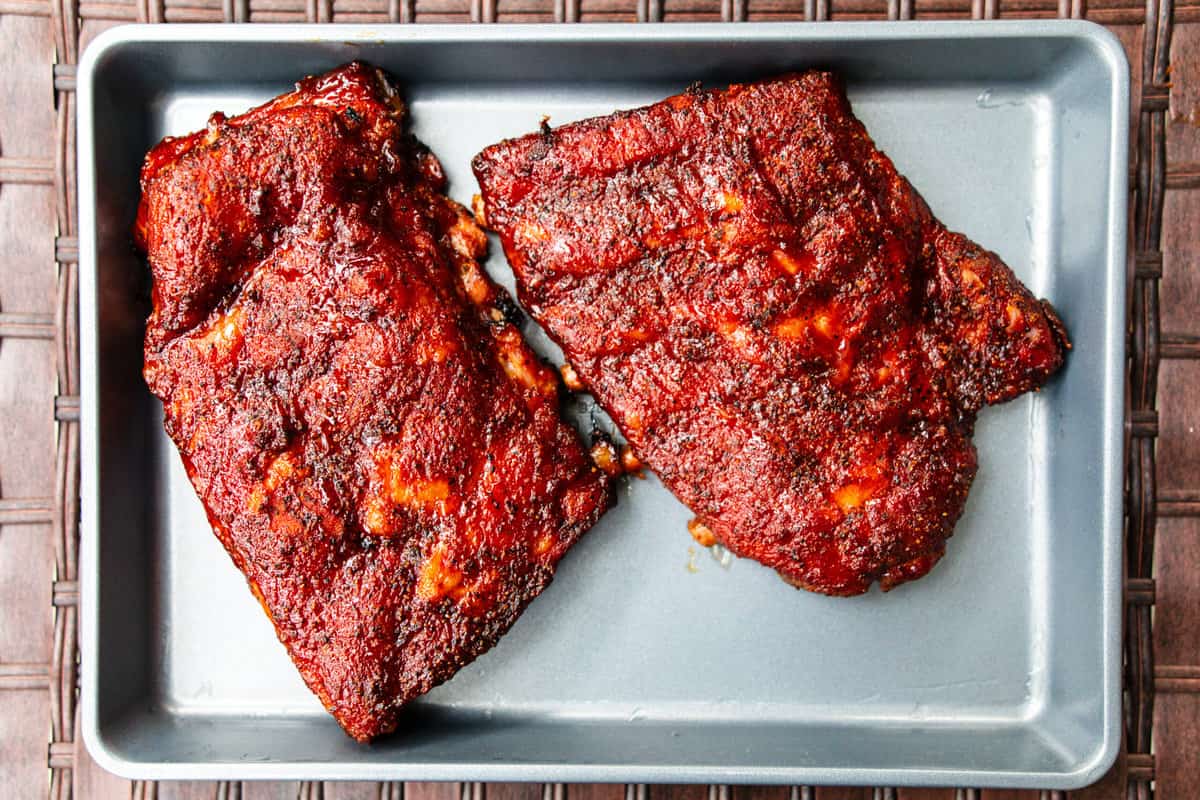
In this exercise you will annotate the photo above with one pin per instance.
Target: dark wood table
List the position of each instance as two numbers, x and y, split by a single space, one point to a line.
40 40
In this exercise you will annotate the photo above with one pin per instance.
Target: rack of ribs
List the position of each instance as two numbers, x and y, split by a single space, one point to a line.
774 319
375 445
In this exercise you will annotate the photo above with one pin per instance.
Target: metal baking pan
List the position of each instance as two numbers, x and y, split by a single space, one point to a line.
650 660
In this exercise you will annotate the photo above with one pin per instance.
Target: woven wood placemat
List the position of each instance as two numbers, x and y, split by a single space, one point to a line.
40 41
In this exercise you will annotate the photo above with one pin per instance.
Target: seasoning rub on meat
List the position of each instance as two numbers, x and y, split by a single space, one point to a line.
375 445
773 317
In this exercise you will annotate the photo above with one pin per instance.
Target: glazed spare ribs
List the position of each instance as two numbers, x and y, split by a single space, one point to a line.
374 443
774 319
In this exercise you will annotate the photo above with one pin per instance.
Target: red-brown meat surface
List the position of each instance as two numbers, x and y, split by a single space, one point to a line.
375 445
774 319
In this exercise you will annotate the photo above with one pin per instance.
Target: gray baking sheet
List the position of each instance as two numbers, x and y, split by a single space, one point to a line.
650 658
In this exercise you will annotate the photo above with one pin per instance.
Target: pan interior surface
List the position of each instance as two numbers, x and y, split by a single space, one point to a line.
651 658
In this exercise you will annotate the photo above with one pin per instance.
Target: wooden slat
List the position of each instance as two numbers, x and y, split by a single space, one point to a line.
15 677
760 793
1180 346
1184 176
523 791
434 791
26 326
25 170
842 793
362 790
1177 766
25 511
1179 503
676 792
1177 678
594 791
